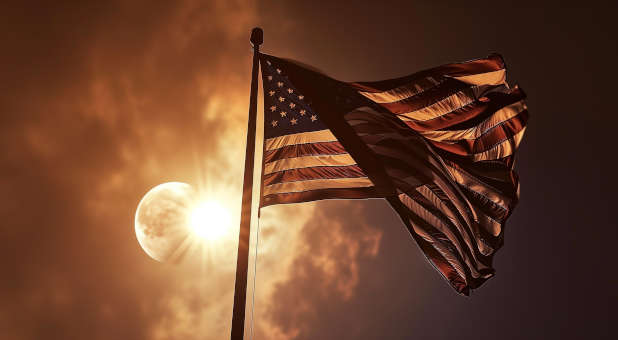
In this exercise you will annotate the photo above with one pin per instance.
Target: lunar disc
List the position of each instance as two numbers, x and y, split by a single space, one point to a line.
161 220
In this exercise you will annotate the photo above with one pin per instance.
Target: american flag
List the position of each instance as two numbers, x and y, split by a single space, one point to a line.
439 145
303 160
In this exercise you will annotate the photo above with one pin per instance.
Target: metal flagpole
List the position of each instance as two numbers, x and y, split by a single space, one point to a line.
242 262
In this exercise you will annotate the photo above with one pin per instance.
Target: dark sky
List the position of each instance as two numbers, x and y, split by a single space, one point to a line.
100 102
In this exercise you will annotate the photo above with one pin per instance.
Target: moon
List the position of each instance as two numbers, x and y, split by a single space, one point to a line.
162 220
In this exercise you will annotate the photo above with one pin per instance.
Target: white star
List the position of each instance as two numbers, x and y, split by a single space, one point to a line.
279 71
271 93
281 99
270 78
279 84
290 90
283 113
314 118
293 121
302 112
273 108
292 105
274 123
301 97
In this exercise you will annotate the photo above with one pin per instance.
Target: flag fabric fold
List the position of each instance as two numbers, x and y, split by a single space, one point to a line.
439 145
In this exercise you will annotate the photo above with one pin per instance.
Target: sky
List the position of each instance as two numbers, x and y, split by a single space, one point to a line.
101 101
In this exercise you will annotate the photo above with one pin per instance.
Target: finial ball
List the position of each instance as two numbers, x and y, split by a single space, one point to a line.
257 36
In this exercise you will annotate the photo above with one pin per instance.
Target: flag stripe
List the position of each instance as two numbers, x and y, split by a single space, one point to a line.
321 194
449 243
308 161
307 149
330 172
314 184
492 101
501 150
486 237
475 132
303 160
462 114
432 233
439 143
402 92
469 115
492 194
495 136
470 254
493 173
489 64
441 107
449 233
441 92
488 78
440 260
299 138
463 234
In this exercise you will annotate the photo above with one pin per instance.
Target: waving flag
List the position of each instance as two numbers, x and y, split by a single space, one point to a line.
303 160
439 145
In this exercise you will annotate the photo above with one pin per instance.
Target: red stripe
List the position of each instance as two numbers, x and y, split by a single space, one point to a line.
497 101
320 194
460 115
429 97
492 63
321 172
308 149
490 139
471 114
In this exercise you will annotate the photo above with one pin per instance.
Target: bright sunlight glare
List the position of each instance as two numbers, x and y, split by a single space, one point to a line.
209 220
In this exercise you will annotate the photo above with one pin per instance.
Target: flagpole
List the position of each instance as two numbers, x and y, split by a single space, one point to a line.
242 261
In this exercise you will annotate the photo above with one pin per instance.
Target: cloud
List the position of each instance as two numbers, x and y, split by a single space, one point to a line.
325 270
107 100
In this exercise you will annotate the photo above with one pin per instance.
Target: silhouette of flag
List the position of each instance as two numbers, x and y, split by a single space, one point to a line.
439 145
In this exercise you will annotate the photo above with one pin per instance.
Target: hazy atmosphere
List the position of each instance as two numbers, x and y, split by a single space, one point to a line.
101 102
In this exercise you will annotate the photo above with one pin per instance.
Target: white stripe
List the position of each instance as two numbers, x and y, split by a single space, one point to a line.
399 93
441 107
308 161
315 184
299 138
475 132
412 89
489 78
501 150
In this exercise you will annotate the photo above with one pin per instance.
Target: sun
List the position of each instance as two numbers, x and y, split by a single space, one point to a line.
209 220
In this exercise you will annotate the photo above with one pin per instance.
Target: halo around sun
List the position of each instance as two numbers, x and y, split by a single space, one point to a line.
173 220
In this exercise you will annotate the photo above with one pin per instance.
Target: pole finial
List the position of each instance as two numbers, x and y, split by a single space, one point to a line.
257 36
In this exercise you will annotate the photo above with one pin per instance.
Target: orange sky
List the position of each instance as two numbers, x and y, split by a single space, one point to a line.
122 97
101 102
